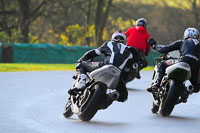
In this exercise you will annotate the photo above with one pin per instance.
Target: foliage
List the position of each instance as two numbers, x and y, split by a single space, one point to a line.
118 24
72 22
14 38
76 34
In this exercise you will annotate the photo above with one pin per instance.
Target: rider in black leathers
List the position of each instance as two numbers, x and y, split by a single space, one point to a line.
189 49
115 52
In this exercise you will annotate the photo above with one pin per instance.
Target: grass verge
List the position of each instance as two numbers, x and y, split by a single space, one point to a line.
15 67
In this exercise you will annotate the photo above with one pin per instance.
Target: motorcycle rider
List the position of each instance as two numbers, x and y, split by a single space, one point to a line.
189 53
137 37
116 53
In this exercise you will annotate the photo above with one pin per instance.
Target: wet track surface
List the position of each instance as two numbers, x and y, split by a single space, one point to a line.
33 102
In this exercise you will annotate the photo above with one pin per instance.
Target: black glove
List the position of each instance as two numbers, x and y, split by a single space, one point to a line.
151 41
78 63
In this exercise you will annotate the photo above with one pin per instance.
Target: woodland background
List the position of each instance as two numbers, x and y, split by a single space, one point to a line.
91 22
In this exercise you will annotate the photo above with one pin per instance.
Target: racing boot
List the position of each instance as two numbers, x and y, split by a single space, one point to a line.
81 81
79 84
156 84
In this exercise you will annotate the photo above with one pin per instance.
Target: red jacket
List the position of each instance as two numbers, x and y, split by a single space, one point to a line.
137 37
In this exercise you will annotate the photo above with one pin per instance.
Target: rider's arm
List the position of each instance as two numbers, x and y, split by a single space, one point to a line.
93 53
146 51
168 48
90 54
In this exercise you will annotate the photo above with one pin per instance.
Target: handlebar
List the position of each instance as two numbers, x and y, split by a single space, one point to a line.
165 56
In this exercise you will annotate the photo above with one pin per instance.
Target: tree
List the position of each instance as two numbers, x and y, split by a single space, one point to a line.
27 16
24 19
102 11
195 11
7 15
193 7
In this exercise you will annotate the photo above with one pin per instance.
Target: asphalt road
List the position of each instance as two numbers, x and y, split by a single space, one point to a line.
33 102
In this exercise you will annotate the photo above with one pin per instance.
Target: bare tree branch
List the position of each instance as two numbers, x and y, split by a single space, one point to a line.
38 10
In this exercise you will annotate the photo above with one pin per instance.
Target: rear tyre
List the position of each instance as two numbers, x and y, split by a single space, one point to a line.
130 76
167 105
68 111
93 105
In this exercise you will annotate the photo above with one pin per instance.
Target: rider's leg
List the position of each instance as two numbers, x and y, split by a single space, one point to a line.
194 78
158 77
83 68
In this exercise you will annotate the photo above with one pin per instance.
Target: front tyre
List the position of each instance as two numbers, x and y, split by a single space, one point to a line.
94 103
154 108
167 105
68 111
130 76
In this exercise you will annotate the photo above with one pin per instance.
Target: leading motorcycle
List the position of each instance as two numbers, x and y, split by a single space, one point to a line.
172 90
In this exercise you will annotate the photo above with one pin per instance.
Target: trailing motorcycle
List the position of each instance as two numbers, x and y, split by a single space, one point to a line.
172 88
100 88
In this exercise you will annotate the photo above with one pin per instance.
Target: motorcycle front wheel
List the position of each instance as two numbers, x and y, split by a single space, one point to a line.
68 111
154 108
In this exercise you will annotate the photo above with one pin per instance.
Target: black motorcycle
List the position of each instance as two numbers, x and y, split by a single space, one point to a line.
172 90
100 87
131 71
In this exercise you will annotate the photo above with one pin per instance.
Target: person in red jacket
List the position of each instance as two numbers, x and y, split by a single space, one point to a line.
138 37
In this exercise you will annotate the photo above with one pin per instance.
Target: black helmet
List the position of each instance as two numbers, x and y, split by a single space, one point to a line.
141 22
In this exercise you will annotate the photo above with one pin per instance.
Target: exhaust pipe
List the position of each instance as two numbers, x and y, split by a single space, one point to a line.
114 95
135 66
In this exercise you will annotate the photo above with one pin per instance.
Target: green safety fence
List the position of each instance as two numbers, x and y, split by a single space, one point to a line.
151 56
48 53
42 53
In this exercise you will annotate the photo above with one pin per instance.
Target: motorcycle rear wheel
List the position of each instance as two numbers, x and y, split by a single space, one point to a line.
93 105
167 105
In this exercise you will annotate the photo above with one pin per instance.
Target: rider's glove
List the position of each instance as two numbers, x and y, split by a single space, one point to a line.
78 63
152 42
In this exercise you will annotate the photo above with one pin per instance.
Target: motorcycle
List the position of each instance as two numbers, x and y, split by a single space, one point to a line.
172 90
132 71
100 85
